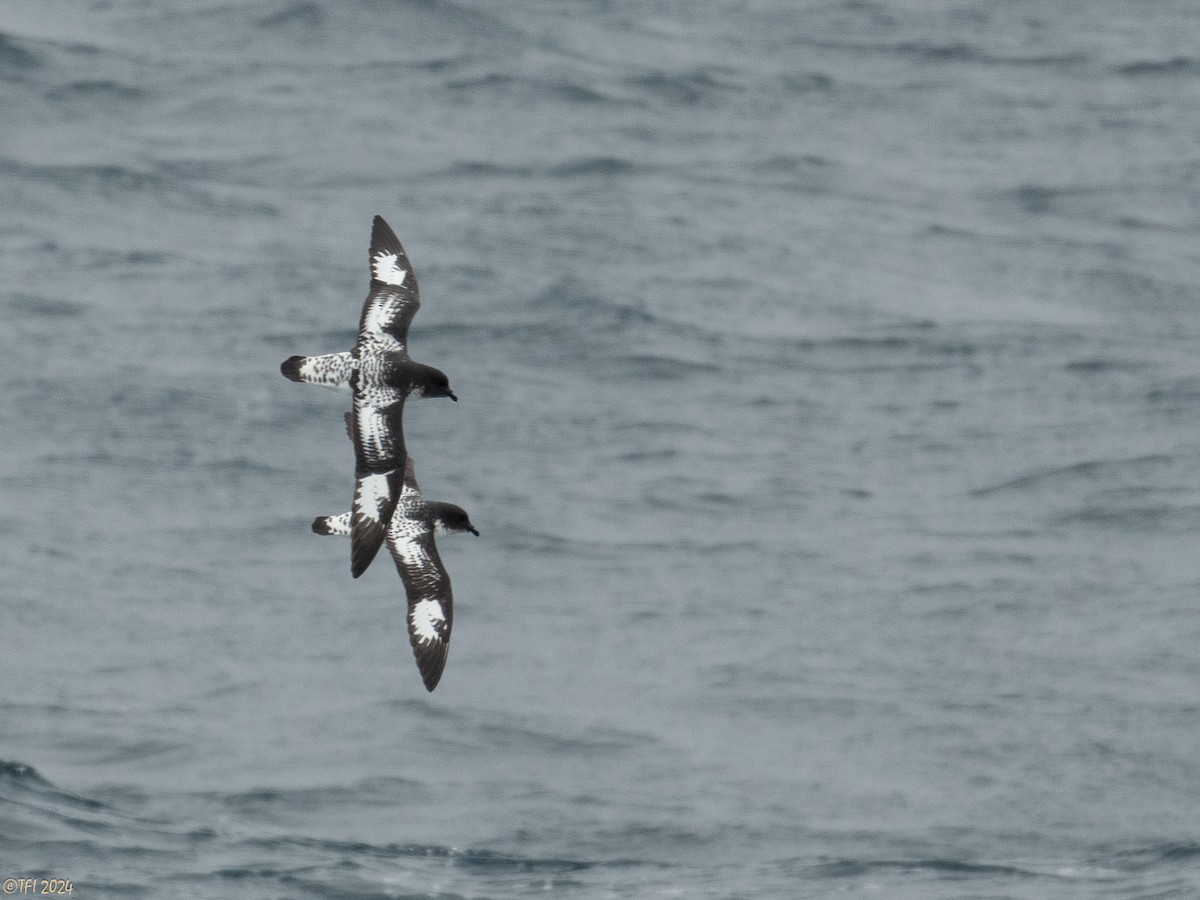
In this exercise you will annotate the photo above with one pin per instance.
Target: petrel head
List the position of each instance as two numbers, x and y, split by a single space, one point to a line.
431 382
450 519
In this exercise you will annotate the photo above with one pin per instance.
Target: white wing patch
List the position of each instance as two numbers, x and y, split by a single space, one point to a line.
376 441
379 315
374 496
427 621
402 538
384 267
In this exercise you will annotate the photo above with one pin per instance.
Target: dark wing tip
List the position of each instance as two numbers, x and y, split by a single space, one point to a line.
290 367
383 238
431 664
366 539
320 525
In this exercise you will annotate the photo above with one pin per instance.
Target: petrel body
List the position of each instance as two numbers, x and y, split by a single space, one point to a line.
410 537
447 518
381 375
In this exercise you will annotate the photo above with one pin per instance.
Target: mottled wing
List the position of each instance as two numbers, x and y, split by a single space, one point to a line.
379 456
331 370
430 601
394 297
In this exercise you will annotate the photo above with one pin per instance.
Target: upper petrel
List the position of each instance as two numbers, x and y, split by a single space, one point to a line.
380 374
410 535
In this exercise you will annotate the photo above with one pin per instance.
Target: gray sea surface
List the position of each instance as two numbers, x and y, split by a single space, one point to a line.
830 388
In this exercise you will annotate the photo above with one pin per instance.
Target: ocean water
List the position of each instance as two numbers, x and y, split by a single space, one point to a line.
830 388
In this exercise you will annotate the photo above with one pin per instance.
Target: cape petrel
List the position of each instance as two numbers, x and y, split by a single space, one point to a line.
410 538
381 375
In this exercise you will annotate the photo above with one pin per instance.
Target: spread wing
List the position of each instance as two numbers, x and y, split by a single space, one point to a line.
394 297
332 370
378 433
426 584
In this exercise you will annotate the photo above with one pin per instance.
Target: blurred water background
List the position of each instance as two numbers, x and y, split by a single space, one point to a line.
829 378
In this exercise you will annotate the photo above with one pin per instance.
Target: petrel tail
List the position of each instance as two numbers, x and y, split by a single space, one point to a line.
332 524
332 370
291 368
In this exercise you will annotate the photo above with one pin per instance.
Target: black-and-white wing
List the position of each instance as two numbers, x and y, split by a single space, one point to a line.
331 370
379 455
378 430
426 584
394 297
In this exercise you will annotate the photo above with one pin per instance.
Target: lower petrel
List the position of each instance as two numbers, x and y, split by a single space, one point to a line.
410 538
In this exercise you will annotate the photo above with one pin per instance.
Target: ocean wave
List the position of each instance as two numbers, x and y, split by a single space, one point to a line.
20 772
1102 365
803 82
405 21
1170 67
698 86
1117 513
17 58
1184 392
805 173
577 167
116 182
1087 469
591 166
959 868
50 307
525 738
661 367
949 52
45 806
904 350
375 791
482 169
304 14
538 84
96 91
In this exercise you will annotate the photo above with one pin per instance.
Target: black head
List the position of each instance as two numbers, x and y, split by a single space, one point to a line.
451 519
433 382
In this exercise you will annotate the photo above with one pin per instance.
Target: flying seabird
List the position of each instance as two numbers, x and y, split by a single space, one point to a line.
410 538
380 374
